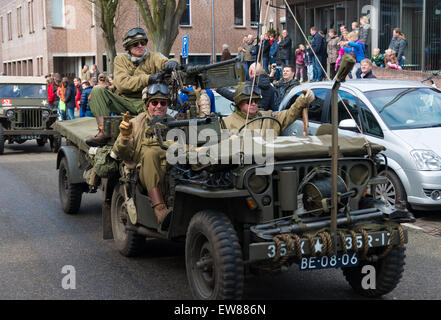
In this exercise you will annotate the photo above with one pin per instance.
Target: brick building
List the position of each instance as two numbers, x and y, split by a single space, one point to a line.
43 36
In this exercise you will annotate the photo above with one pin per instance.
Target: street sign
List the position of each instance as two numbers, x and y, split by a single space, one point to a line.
185 47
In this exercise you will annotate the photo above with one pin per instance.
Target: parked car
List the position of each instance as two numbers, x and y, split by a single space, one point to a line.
404 116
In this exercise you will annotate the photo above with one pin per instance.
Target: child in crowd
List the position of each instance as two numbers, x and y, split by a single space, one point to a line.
390 60
377 58
309 60
300 62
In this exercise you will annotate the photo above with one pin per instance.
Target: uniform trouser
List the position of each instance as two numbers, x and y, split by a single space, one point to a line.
103 102
152 169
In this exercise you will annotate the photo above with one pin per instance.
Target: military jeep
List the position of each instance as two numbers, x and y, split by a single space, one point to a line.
236 222
25 112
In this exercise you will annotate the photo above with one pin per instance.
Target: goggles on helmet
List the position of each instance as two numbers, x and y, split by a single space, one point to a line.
133 32
155 88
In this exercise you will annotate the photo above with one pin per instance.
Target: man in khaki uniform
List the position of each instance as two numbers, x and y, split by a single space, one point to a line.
137 145
133 71
242 98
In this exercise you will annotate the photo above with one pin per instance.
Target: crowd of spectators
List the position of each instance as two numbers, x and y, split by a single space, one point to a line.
320 56
72 96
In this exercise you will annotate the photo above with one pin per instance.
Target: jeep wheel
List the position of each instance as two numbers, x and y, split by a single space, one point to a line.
2 140
55 142
128 243
213 257
388 272
392 191
70 193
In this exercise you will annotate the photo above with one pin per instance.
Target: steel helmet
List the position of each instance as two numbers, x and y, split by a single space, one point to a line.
134 35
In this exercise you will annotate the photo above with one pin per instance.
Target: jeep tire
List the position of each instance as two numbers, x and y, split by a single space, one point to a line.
213 257
2 140
388 272
70 193
127 242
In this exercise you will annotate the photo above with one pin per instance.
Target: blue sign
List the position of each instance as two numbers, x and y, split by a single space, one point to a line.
185 47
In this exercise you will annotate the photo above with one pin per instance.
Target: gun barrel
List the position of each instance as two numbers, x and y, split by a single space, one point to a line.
198 69
187 122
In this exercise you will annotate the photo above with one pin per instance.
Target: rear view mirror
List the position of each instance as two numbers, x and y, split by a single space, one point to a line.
348 124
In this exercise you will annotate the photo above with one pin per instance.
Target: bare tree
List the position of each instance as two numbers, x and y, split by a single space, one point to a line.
107 11
161 17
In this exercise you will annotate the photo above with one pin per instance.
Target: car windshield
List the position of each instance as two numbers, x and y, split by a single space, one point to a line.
409 108
23 91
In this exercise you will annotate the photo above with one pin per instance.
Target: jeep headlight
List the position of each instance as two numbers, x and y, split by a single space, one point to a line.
10 114
45 113
426 160
258 183
2 111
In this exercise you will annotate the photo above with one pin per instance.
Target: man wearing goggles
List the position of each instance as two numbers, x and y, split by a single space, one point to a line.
133 71
249 109
137 145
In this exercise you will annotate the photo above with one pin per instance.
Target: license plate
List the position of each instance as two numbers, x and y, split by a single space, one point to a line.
325 262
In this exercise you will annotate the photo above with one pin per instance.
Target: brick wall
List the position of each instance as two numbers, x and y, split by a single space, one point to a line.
383 73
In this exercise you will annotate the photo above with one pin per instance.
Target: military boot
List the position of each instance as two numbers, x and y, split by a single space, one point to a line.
99 139
159 207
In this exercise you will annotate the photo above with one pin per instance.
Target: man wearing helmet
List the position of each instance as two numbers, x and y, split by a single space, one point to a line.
137 145
246 109
133 71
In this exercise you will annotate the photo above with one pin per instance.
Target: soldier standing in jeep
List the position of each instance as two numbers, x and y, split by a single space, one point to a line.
133 72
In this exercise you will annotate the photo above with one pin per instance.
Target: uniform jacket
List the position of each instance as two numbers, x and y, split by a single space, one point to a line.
237 119
86 75
130 78
129 151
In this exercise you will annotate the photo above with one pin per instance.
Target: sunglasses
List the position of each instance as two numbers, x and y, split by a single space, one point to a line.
163 103
142 43
256 101
157 87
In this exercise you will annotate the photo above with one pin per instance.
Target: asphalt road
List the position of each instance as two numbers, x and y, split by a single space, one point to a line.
37 240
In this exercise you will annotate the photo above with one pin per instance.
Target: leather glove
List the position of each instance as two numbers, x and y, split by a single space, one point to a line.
126 127
155 78
170 66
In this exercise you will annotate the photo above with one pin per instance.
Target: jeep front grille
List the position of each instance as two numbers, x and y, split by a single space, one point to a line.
29 119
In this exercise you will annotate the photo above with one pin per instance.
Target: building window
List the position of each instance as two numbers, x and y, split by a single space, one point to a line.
31 16
255 12
1 27
389 20
43 10
185 18
239 13
93 14
432 48
9 26
58 13
19 23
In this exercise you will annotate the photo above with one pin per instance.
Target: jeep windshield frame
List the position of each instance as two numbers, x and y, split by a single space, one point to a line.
19 91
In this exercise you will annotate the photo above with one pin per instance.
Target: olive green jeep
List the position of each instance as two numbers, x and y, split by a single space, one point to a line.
25 113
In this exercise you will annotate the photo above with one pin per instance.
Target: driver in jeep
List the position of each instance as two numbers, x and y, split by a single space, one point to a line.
243 106
137 145
134 71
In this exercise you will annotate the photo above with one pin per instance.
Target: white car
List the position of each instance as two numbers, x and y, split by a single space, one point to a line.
403 116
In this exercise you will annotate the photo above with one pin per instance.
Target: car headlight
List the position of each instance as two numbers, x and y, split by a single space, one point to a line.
426 160
45 114
10 114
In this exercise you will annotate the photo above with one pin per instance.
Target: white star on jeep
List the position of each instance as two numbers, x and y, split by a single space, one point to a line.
318 246
44 102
